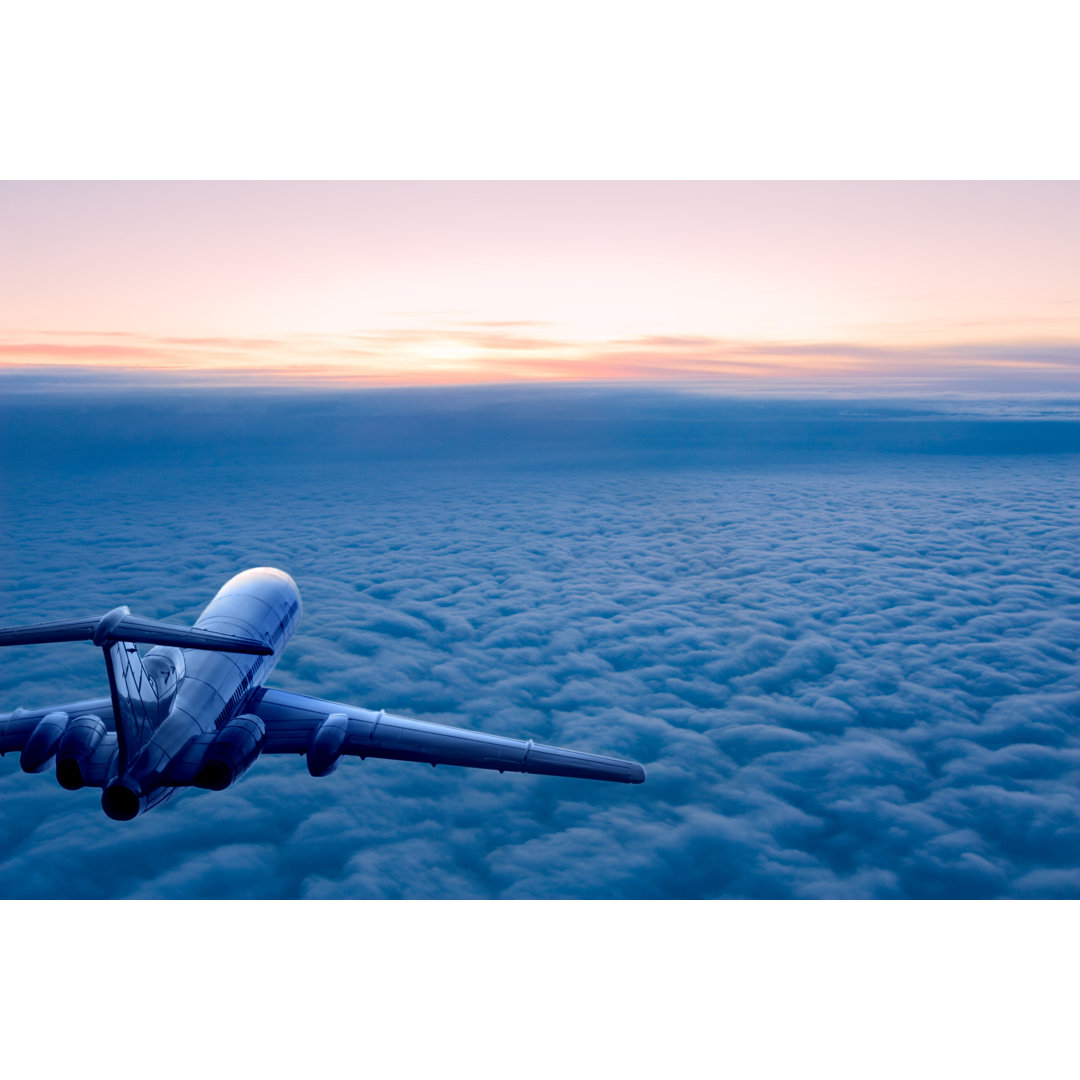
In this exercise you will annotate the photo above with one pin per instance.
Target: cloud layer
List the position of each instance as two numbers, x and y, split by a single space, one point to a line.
849 664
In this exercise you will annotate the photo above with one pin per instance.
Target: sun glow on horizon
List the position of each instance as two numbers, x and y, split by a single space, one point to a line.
449 355
418 283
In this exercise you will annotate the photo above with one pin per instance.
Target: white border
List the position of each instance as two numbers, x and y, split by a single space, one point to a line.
577 89
535 989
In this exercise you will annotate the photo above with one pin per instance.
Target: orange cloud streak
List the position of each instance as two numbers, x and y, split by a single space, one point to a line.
509 352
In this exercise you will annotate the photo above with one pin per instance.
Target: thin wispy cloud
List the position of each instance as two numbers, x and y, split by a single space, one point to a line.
508 352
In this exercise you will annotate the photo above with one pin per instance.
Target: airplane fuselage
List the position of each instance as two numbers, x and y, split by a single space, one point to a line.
212 687
263 604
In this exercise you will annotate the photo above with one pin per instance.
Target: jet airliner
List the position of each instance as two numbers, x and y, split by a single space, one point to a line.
194 710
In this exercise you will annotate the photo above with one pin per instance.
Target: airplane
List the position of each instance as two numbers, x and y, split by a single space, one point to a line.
194 711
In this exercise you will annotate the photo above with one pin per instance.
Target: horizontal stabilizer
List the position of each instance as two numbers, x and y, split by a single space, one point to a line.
121 625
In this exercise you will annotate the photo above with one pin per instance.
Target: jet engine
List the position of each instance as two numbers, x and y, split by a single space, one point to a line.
40 747
232 753
77 747
324 753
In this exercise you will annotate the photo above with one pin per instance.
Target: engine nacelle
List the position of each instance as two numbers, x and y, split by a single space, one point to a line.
327 743
44 739
123 800
77 747
232 753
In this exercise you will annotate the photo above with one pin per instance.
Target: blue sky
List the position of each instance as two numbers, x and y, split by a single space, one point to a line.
842 635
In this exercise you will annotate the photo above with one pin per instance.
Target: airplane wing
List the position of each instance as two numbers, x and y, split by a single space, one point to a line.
16 727
293 722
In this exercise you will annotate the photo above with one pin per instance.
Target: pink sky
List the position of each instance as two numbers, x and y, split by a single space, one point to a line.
440 282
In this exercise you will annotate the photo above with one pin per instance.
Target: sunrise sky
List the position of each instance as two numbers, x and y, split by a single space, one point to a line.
778 285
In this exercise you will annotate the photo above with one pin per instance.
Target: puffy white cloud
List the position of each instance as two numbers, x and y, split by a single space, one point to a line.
850 671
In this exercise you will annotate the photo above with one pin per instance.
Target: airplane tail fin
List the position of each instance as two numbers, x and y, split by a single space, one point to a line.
140 702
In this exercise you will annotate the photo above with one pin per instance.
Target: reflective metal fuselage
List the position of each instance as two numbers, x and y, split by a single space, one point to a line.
263 604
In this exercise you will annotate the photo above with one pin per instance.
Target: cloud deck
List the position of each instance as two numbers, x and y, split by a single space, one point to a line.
849 664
